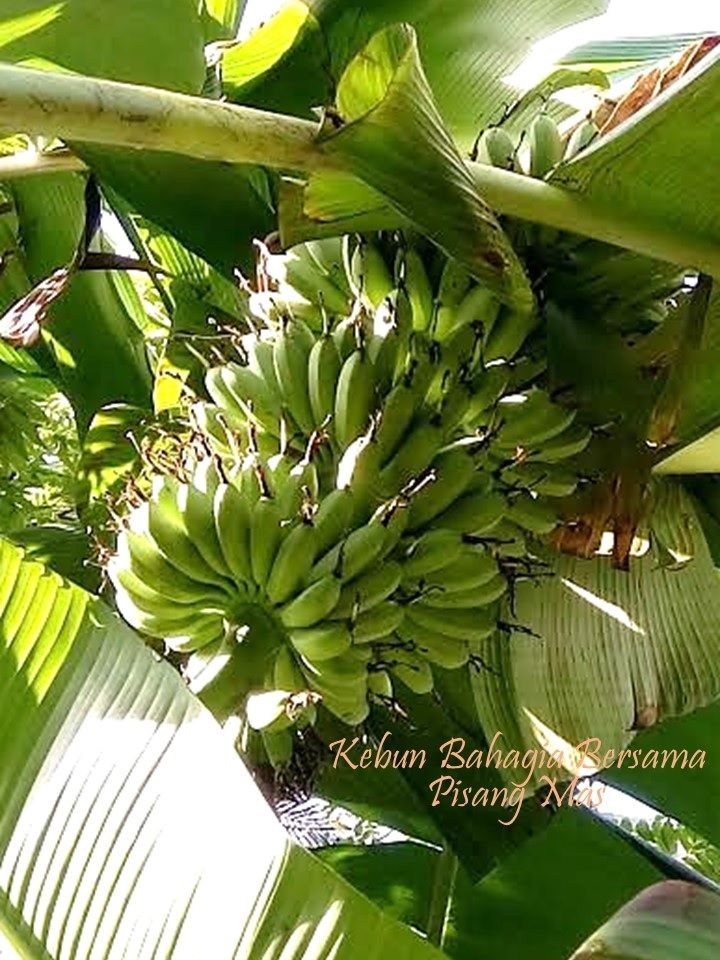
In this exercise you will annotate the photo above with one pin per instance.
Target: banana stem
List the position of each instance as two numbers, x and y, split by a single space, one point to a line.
539 202
87 110
84 110
441 897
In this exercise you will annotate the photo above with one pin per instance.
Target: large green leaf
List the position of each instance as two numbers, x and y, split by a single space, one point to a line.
128 825
677 789
467 48
562 883
550 893
654 166
610 651
158 43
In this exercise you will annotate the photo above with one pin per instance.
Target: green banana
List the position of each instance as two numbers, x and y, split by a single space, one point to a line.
531 514
544 479
354 396
414 671
415 454
452 473
389 344
475 513
333 519
286 673
324 641
478 306
361 549
581 137
310 280
291 352
195 502
474 568
438 648
344 337
432 551
252 395
486 387
461 624
166 527
572 441
466 599
396 415
203 631
353 555
531 423
323 371
495 147
261 362
546 146
140 604
358 471
234 412
150 565
292 562
368 590
509 333
313 604
343 673
266 534
380 684
377 623
232 522
419 290
370 277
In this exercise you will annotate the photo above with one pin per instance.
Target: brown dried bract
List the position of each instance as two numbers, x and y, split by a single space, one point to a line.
617 505
22 325
611 112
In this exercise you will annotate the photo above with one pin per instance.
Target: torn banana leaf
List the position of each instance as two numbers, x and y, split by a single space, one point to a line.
609 652
388 132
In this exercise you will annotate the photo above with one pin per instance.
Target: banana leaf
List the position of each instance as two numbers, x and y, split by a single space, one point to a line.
467 48
654 165
551 892
128 824
608 652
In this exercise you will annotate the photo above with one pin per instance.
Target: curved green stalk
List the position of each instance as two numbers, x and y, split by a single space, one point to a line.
540 202
88 110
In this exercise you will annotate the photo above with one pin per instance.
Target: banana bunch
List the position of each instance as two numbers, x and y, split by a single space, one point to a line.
544 145
213 562
378 468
